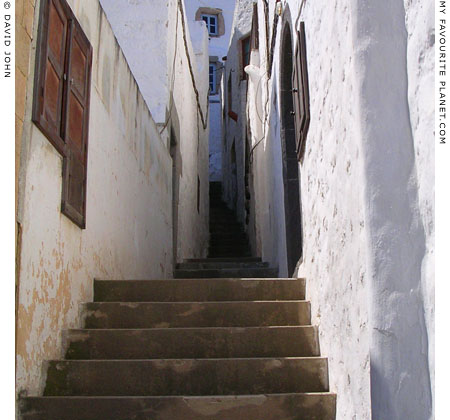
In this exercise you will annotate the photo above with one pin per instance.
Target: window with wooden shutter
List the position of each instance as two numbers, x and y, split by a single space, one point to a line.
61 99
300 92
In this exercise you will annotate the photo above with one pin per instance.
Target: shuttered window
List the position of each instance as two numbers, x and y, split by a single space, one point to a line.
61 99
300 92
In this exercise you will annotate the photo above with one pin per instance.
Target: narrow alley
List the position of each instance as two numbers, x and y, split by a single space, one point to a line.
224 210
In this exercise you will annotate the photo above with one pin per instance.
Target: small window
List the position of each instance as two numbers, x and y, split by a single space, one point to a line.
61 99
212 79
245 45
211 23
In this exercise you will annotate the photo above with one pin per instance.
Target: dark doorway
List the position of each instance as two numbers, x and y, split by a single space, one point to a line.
289 156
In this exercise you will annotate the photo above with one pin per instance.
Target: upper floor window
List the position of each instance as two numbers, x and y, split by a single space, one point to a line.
213 17
211 23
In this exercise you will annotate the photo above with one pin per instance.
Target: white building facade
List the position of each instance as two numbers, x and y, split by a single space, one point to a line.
355 215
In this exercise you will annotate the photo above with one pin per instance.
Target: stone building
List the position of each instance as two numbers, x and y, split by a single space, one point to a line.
328 159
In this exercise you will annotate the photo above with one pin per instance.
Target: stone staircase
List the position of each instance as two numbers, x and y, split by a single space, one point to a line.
227 237
214 343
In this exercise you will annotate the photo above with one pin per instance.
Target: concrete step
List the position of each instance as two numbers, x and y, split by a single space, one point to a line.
195 314
182 343
226 273
300 406
190 290
219 265
186 377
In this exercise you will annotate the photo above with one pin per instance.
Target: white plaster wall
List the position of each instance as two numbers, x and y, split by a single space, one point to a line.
128 231
367 196
420 57
192 137
331 189
334 229
395 210
141 30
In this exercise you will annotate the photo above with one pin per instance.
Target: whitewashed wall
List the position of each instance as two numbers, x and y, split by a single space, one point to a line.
395 211
141 30
128 231
184 117
367 195
420 58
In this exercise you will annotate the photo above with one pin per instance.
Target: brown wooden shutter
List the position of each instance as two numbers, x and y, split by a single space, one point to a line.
76 125
50 66
300 92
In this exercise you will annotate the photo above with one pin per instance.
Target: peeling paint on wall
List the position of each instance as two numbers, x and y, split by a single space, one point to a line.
129 227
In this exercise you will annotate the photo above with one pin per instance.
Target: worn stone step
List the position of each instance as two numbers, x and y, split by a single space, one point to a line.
219 265
228 238
221 224
225 226
226 272
232 251
228 247
300 406
181 343
219 260
195 314
186 376
229 242
190 290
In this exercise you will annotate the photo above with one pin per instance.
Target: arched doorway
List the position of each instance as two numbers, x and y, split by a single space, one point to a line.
288 148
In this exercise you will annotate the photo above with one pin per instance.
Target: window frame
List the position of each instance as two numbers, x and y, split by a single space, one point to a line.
300 93
209 17
213 65
72 149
